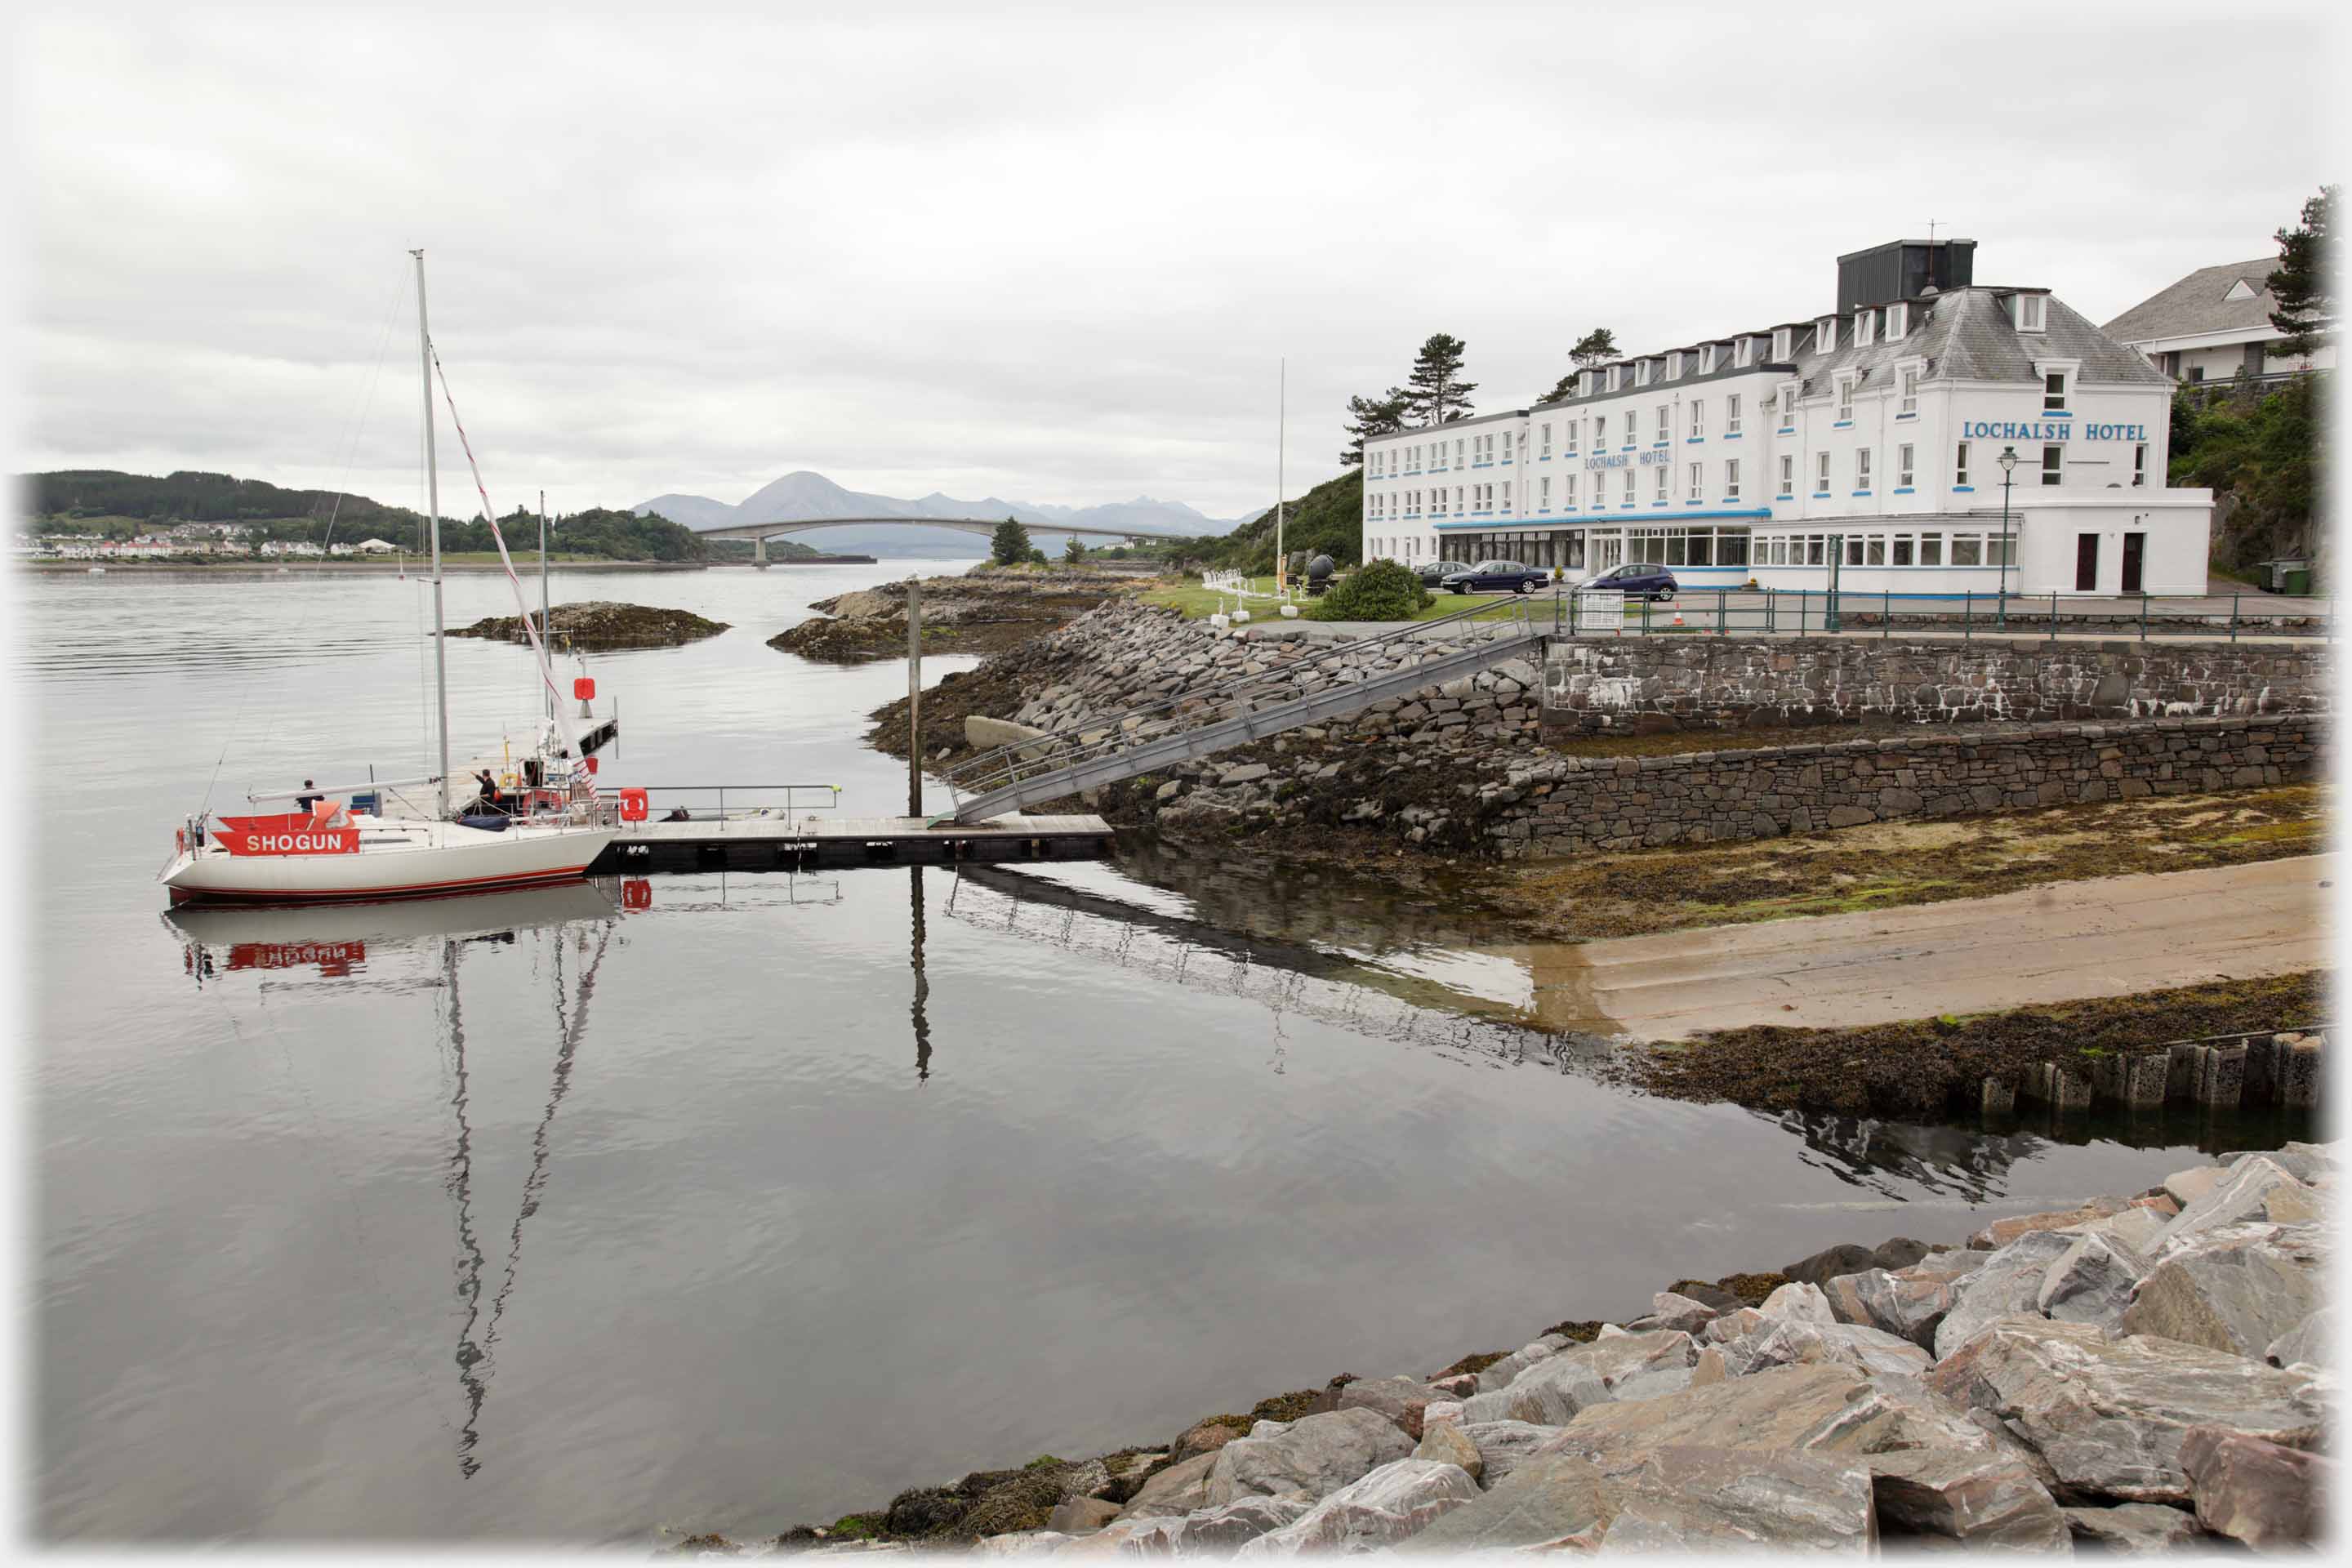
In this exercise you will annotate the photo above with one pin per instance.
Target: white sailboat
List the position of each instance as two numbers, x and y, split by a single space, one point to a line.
346 848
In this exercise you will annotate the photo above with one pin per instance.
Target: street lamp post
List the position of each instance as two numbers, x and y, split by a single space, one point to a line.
2008 467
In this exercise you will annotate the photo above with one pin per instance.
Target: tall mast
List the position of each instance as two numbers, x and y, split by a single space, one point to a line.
546 697
1281 449
433 511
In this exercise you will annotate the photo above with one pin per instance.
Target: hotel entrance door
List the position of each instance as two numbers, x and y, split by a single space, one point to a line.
1607 550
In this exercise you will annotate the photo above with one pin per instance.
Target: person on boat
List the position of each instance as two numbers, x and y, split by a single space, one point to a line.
492 799
309 798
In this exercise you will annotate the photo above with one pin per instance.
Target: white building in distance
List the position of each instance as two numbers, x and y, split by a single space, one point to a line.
2214 324
1867 439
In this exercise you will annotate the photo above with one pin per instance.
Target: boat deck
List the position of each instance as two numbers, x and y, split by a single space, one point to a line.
797 840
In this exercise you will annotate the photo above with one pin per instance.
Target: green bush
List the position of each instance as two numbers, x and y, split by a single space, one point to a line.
1383 591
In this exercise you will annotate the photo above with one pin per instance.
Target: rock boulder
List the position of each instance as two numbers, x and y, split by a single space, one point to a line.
1979 1498
1393 1503
2262 1493
1316 1454
2235 1287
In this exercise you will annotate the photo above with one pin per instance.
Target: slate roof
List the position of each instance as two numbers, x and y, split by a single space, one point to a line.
1964 334
2197 303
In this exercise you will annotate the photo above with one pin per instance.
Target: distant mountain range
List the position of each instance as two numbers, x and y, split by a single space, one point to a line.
803 494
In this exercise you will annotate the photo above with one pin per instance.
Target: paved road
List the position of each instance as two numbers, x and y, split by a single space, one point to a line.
2112 937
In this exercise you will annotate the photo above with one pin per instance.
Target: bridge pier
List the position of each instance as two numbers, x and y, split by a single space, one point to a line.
759 552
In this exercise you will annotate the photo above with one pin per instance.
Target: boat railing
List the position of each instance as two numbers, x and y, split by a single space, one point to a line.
723 803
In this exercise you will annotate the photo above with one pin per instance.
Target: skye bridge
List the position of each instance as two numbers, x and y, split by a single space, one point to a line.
759 533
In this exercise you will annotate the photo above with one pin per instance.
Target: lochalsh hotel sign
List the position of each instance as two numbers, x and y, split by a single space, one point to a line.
2049 430
1621 459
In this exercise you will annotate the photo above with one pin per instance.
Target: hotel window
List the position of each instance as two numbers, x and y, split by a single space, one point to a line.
1826 334
1629 487
1568 491
1698 417
1543 496
1910 393
1706 360
1787 473
1822 487
1545 449
1507 495
1461 446
1960 469
1665 424
1675 365
1788 408
1863 320
1846 399
1660 488
1731 413
1459 496
1876 553
2052 461
1743 351
1853 549
1731 478
1931 550
1902 556
2031 312
2140 465
1783 342
1600 432
1568 436
2053 392
1862 470
1967 550
1613 370
1642 372
1904 469
1816 550
1697 482
1898 321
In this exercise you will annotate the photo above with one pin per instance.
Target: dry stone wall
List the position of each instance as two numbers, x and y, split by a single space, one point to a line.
1567 803
1665 682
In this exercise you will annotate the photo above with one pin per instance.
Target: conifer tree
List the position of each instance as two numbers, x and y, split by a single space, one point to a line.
1435 389
1372 417
1009 546
1594 347
2306 312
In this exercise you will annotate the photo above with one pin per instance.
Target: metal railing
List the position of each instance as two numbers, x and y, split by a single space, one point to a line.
719 811
1772 611
1336 661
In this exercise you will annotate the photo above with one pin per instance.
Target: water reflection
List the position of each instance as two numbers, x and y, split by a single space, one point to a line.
336 942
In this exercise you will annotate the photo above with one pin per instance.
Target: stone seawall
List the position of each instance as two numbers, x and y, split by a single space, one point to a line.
1664 682
1568 804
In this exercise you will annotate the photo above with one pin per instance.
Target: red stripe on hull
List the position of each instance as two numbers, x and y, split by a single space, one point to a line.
370 895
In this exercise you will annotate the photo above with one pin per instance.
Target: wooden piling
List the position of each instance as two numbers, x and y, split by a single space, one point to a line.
914 697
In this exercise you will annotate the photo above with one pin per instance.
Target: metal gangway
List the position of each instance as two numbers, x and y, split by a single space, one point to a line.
1324 685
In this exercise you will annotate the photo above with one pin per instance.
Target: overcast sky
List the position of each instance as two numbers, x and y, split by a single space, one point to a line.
1051 255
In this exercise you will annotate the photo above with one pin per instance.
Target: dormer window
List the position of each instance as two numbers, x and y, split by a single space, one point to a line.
1826 334
1862 322
1642 372
1846 399
1590 379
2032 312
1783 343
1614 377
1675 365
1743 351
2053 392
1706 360
1898 321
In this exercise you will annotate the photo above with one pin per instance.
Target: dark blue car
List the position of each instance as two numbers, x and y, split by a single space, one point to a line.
1511 576
1635 580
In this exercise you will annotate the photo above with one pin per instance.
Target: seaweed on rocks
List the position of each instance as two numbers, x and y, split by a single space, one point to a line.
602 624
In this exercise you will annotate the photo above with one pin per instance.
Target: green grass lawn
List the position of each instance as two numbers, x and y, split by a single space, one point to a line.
1197 603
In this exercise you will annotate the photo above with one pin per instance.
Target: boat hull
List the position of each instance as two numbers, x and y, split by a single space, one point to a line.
447 859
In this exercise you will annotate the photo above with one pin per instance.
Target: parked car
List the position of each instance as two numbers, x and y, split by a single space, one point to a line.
1509 576
1635 580
1432 573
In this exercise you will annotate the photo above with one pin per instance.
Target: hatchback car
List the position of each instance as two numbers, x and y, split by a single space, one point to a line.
1510 576
1432 573
1635 580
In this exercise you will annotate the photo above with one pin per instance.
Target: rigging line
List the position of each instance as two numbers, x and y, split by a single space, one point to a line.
351 453
497 537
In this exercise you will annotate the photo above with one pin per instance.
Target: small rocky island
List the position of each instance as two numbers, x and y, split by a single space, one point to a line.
983 612
603 624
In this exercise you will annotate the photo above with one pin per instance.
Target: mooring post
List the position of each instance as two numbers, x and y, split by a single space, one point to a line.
914 697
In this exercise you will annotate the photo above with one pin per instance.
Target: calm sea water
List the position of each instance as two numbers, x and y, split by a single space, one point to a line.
545 1217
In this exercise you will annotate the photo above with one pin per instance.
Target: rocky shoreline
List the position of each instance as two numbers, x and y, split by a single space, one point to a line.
2141 1372
602 624
981 612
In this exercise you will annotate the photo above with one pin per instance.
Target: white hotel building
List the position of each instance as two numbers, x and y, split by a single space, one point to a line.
1871 436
